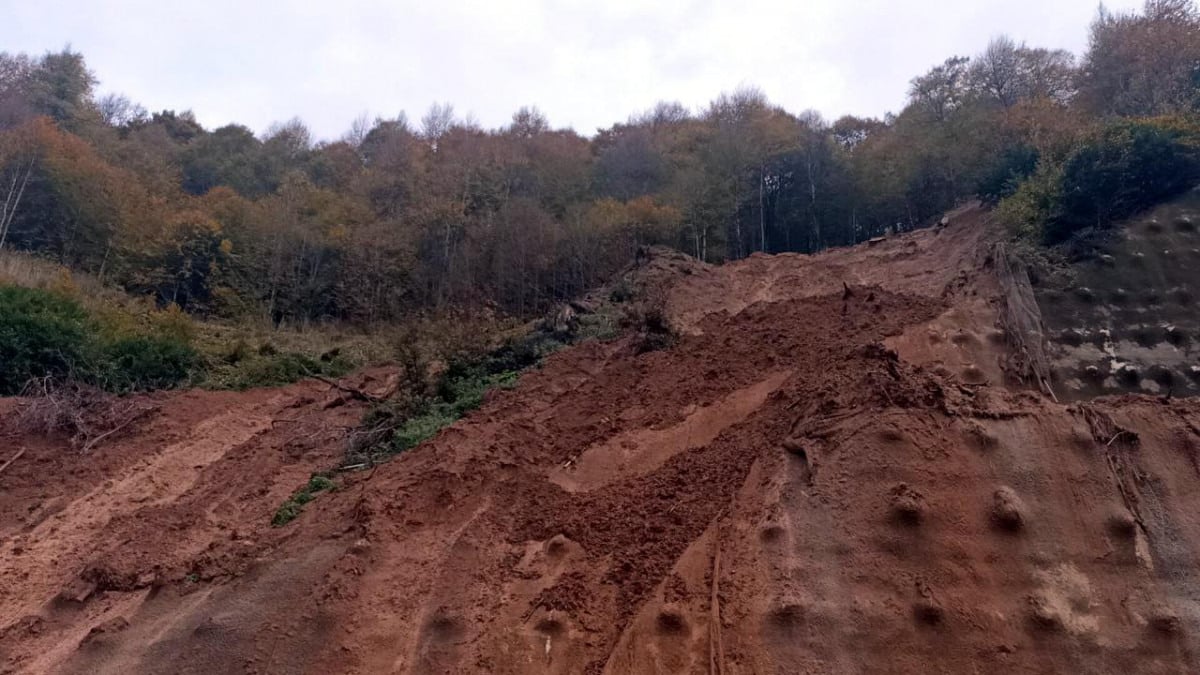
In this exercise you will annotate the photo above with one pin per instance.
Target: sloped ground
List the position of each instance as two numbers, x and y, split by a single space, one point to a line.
827 473
1125 320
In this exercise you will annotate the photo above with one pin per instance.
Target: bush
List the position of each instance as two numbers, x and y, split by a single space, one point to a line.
47 335
270 368
147 362
1124 168
41 335
1035 202
409 420
420 428
1004 177
406 422
291 508
622 291
1129 166
652 324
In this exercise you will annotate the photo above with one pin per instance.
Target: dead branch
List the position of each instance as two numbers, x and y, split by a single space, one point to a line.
1116 436
87 414
132 418
352 391
12 201
12 459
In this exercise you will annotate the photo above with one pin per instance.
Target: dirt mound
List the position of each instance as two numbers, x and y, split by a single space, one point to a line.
828 472
654 269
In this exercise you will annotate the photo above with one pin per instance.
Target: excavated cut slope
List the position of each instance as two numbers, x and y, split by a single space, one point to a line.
832 471
1124 320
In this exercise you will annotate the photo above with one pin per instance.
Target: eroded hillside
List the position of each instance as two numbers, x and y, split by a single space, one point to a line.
839 467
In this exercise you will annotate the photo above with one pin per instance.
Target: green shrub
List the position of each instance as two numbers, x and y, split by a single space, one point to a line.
1124 168
407 421
41 334
278 368
1129 166
457 396
286 513
1003 178
420 428
143 363
652 325
270 368
597 326
319 483
1035 202
622 291
291 508
404 423
44 334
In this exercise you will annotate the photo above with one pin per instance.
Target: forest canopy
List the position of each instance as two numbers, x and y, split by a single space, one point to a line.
400 216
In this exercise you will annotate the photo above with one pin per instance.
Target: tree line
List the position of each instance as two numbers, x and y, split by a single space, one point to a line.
400 215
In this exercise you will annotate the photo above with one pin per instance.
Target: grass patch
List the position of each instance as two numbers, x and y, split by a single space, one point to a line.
255 353
294 505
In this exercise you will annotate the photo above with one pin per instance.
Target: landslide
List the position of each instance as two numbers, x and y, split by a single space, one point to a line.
839 466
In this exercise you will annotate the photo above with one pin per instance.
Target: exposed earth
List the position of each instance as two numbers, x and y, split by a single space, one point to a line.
853 462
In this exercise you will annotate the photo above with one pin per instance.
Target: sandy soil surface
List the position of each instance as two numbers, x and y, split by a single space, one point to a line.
828 473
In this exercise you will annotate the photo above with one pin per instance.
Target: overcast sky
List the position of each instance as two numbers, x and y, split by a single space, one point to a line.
586 64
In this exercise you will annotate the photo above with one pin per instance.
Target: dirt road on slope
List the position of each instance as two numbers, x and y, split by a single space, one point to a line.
829 472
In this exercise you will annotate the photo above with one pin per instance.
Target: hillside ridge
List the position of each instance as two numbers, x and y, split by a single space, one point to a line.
835 468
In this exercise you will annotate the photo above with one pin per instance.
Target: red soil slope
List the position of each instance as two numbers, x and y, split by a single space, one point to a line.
827 473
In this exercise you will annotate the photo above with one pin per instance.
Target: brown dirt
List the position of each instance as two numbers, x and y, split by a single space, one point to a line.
827 473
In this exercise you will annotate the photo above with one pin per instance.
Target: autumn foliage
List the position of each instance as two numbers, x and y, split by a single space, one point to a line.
397 217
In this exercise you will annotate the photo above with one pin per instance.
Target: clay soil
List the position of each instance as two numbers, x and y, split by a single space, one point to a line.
829 472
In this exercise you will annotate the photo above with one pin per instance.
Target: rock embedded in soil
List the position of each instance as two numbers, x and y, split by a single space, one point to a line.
1043 615
1122 524
671 620
907 505
928 611
1166 621
1008 511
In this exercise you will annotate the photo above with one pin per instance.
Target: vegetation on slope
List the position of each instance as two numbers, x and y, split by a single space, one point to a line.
48 335
417 414
348 247
400 217
291 508
1119 169
58 326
